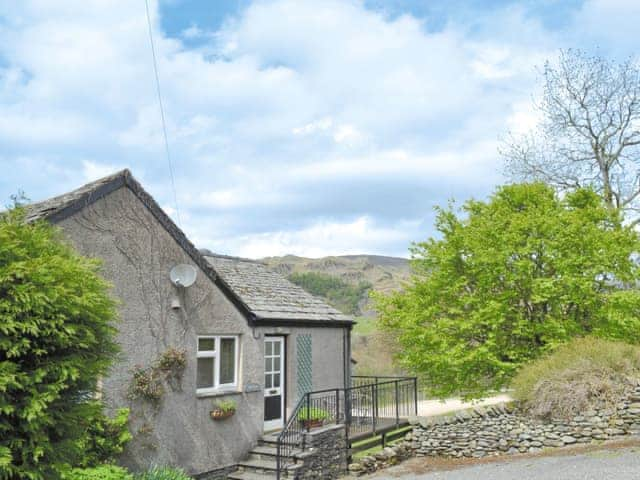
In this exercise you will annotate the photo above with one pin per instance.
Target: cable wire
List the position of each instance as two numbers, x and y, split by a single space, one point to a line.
164 123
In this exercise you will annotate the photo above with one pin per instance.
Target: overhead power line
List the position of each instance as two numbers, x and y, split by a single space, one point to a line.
162 117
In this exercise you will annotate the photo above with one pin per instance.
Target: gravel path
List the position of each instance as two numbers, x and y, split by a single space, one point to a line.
619 464
427 408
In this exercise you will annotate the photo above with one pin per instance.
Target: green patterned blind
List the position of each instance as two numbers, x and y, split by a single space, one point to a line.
305 364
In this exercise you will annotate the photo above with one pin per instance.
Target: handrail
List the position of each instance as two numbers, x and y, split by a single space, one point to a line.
366 408
286 431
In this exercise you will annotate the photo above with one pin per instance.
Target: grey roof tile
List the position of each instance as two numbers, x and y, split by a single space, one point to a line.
269 295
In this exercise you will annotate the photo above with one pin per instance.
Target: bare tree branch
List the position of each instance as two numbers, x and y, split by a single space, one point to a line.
589 134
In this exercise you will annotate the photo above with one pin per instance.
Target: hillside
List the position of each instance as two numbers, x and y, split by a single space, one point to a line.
345 282
382 273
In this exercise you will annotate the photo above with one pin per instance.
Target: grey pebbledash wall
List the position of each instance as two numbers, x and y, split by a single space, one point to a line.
503 429
326 455
137 254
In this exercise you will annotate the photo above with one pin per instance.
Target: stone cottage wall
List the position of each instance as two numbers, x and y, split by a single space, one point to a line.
326 456
502 429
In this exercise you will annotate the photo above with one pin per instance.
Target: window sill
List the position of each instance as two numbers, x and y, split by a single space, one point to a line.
218 393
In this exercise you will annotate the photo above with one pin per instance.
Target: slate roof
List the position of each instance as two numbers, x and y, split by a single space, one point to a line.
53 209
269 295
262 295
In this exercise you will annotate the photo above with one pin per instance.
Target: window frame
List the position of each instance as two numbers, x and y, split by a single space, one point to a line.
215 354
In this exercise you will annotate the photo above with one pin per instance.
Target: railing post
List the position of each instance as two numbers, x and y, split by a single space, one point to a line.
337 406
415 395
278 461
308 422
374 406
397 404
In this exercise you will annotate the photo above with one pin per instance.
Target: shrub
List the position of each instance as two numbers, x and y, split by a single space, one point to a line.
163 473
583 374
103 472
56 340
106 438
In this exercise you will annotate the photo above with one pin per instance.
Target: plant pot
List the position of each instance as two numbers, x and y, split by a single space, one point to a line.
221 414
314 423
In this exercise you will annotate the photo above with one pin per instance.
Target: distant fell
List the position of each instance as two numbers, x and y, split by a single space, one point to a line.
382 273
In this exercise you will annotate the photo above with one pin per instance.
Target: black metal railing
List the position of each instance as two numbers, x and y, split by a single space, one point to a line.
370 405
290 439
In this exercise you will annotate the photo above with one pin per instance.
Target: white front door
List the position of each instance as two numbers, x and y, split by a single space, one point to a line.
274 383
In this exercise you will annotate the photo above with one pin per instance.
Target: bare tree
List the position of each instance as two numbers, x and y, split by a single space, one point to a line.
589 133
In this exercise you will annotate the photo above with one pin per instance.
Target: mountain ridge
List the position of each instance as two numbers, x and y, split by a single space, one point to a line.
383 273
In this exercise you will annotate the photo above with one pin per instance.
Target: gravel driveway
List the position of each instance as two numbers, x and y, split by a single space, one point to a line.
427 408
618 464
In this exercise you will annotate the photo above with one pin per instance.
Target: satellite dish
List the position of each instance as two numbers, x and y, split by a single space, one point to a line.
183 275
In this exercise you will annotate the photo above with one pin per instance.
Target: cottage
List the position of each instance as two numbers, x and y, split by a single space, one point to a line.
249 335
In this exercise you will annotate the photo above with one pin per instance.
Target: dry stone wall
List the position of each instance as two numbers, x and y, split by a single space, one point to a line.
503 429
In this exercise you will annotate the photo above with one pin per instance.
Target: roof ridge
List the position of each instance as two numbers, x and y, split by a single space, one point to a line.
208 253
56 209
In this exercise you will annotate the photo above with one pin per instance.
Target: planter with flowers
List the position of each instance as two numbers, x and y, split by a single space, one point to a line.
312 417
223 409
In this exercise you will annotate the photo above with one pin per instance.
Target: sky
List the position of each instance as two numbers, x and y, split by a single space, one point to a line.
312 128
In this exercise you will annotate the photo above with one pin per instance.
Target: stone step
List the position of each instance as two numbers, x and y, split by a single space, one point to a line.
270 450
258 465
248 475
273 441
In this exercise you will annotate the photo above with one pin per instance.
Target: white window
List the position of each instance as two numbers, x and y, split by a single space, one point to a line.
217 363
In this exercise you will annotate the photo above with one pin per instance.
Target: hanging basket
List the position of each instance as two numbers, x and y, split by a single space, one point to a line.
218 414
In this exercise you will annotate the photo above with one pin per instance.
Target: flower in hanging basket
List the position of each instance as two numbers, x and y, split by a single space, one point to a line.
222 410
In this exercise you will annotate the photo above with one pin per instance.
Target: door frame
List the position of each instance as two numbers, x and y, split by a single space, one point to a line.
270 425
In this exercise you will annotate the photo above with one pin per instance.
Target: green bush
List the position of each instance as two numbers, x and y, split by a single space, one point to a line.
105 438
56 340
163 473
103 472
585 373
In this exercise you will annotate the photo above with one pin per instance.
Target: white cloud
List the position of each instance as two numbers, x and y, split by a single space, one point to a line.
282 121
92 170
328 238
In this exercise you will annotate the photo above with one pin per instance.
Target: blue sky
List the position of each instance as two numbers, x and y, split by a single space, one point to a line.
303 127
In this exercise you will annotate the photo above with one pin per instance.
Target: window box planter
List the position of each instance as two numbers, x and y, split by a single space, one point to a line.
223 409
218 414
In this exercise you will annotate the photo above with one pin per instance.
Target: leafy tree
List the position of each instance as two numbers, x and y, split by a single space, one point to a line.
56 340
509 279
589 131
342 295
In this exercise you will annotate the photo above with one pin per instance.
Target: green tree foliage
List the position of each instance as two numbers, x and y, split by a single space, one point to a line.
342 295
102 472
105 438
56 340
509 279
